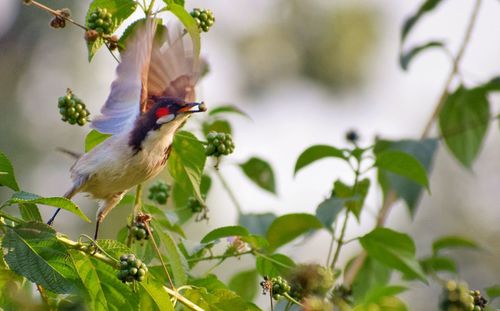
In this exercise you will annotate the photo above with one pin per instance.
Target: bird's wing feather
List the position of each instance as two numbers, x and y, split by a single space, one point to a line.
128 90
174 68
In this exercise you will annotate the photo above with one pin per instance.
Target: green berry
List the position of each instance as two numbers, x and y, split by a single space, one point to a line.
131 259
123 264
204 18
141 234
141 272
133 271
219 144
159 192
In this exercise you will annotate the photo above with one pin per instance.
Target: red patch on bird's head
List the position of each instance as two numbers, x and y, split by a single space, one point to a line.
162 111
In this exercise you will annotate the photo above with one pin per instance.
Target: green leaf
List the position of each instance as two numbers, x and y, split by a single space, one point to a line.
104 290
464 121
491 86
273 265
224 232
220 126
371 275
227 109
424 151
33 251
433 264
218 300
94 138
30 212
453 242
153 296
493 292
120 9
406 57
354 196
256 242
186 163
328 210
175 259
244 283
378 292
188 21
7 178
256 223
26 197
288 227
395 250
315 153
403 164
409 23
260 172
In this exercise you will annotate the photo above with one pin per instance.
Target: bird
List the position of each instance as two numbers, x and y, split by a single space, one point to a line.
151 97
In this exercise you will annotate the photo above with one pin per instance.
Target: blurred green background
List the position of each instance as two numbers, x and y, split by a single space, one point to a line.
306 72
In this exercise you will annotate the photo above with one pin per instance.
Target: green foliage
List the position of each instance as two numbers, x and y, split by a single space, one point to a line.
260 172
273 265
256 223
464 122
288 227
410 22
224 232
404 164
93 139
315 153
27 198
453 242
227 109
186 163
407 57
354 195
188 21
7 178
373 274
395 250
244 283
434 264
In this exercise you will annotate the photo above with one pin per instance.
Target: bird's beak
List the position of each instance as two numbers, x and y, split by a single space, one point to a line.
188 108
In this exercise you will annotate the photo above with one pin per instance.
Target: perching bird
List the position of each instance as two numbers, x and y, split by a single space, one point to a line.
157 74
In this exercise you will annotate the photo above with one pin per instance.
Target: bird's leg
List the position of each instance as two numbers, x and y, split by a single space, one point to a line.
105 208
68 195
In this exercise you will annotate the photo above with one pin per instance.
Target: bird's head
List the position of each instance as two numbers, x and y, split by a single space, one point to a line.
164 113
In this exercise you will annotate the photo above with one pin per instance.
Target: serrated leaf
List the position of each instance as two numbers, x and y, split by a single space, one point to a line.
176 260
186 163
256 223
32 250
288 227
453 242
7 178
260 172
227 109
433 264
403 164
30 212
315 153
273 265
464 121
220 126
408 190
224 232
395 250
410 22
328 210
26 197
244 283
188 21
94 138
406 57
104 290
120 10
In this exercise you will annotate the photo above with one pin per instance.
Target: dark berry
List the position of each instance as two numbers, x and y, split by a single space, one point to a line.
352 136
131 269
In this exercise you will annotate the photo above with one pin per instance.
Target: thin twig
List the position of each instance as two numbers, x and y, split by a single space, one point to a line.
340 241
229 191
135 212
188 303
57 13
391 196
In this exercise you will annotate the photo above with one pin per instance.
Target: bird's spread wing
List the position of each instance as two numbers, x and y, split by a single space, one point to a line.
174 68
128 90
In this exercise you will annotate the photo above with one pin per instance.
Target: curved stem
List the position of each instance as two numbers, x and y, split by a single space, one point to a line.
292 299
391 196
340 241
230 192
56 13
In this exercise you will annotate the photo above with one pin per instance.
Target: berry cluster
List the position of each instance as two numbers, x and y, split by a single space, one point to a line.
194 205
139 231
131 269
280 287
204 18
479 301
219 144
457 297
101 21
159 192
72 109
